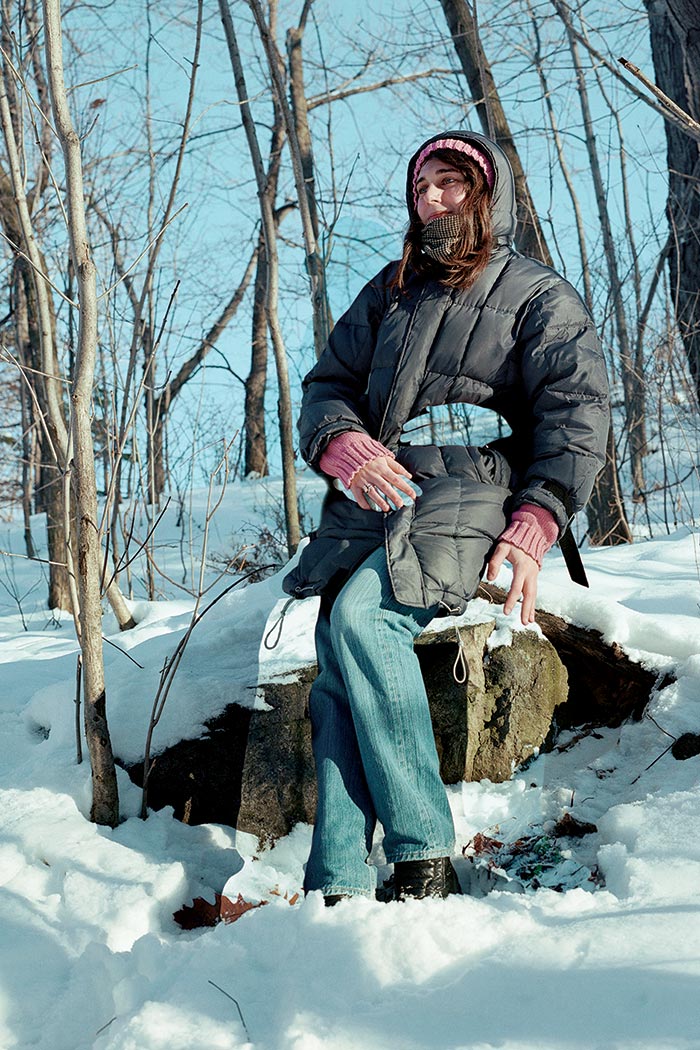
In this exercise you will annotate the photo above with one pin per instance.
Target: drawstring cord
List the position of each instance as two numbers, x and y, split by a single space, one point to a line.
276 628
460 668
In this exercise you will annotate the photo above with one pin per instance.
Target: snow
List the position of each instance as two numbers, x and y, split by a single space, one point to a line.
90 955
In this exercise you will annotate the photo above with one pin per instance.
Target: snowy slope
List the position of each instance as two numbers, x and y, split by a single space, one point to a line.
90 955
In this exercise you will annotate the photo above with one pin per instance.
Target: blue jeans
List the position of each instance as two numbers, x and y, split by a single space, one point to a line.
372 738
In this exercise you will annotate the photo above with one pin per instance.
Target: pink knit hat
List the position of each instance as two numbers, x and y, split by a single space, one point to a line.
462 147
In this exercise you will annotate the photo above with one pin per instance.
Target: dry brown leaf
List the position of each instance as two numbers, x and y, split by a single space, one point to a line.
205 913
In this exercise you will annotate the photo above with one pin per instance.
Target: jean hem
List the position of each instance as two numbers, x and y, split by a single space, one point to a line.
420 854
336 889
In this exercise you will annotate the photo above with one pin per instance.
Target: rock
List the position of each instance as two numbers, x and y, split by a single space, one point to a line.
254 769
501 716
686 746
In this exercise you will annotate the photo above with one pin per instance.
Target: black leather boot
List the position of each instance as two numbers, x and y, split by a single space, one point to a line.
425 878
331 899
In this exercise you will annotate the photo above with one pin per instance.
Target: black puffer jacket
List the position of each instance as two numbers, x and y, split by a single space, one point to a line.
519 341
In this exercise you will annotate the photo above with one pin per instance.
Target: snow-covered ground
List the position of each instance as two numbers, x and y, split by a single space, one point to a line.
90 955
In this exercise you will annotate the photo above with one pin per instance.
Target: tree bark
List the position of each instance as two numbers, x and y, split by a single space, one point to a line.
302 131
607 521
255 453
105 797
48 410
675 45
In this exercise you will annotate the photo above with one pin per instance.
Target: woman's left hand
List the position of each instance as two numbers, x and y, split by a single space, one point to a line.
524 582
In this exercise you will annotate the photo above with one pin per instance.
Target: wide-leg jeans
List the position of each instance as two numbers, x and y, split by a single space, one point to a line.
372 737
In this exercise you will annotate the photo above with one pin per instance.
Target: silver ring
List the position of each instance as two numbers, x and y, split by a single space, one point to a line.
366 488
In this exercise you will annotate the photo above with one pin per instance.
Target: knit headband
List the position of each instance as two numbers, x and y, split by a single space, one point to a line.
462 147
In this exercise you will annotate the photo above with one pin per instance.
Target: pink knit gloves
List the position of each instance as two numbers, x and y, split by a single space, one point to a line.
532 529
345 454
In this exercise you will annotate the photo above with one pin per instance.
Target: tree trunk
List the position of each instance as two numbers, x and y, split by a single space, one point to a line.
284 405
255 461
28 427
675 44
632 383
300 114
39 355
606 512
529 236
105 798
314 262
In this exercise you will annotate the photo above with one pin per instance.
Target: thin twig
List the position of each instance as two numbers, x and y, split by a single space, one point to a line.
342 93
240 1014
121 564
42 561
169 670
692 126
78 738
98 80
665 752
138 258
38 270
122 651
611 67
104 1026
661 728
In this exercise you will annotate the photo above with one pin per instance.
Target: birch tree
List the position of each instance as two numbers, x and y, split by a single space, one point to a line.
105 798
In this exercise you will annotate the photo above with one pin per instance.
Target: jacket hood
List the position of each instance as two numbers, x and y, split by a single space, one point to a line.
503 207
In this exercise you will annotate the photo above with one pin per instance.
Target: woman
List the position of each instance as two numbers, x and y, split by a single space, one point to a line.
462 317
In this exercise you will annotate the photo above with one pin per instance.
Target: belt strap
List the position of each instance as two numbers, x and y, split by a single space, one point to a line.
572 558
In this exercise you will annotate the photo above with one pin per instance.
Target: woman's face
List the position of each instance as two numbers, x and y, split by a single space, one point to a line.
441 189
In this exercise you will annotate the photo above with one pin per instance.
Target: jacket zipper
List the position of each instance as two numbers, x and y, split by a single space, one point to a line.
402 354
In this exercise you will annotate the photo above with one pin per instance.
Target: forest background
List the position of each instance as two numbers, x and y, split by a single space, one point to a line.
190 196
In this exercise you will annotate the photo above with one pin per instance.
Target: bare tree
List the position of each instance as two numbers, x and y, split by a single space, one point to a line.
36 330
164 400
607 520
255 445
632 380
463 26
675 42
301 146
105 797
266 201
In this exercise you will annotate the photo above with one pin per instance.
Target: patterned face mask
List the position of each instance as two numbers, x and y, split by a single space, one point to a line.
439 237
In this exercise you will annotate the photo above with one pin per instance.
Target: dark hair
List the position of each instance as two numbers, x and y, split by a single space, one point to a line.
473 248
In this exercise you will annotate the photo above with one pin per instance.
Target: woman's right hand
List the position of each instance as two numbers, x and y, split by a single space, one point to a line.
381 475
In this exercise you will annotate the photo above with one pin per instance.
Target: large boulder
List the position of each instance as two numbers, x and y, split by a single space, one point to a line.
500 716
492 708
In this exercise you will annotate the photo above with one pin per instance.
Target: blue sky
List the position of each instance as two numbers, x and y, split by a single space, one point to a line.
372 136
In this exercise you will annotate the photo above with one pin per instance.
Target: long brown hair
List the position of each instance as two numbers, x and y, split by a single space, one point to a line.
473 248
